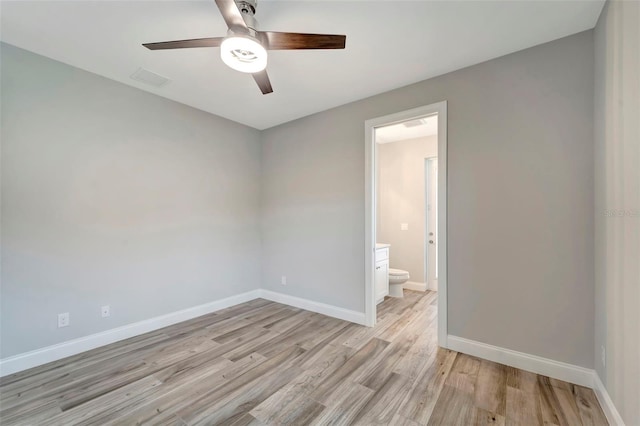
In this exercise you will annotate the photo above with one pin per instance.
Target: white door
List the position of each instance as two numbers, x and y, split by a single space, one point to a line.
432 223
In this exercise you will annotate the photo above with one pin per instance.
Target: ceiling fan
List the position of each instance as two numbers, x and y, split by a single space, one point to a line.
245 48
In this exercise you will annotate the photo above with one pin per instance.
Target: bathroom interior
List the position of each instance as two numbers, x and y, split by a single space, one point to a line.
406 209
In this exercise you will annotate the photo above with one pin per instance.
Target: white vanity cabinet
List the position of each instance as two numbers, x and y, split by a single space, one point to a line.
381 276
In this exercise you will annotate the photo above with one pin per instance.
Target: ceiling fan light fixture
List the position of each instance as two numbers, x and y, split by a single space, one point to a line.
243 53
243 49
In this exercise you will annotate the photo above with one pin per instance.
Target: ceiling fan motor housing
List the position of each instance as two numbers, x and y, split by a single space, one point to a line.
248 10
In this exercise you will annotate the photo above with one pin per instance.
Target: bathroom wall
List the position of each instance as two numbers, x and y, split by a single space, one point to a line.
401 199
617 205
112 195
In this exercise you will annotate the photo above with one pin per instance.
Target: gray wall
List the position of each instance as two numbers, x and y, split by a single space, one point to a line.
617 204
520 199
401 199
111 195
114 196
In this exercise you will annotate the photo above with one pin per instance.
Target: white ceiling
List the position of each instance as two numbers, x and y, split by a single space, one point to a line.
401 132
389 44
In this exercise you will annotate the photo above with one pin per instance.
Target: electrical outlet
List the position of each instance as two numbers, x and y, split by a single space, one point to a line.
603 354
283 281
63 320
404 226
106 311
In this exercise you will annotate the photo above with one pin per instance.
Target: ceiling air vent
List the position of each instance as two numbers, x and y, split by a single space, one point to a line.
148 77
413 123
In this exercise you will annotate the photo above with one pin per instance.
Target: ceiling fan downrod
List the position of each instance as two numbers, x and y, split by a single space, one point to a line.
248 10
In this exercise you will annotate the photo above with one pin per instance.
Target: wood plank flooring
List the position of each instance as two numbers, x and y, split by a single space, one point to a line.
263 363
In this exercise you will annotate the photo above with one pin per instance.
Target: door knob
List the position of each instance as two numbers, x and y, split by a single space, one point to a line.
431 234
430 241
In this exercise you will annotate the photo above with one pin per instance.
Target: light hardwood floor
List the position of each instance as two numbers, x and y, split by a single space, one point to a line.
266 363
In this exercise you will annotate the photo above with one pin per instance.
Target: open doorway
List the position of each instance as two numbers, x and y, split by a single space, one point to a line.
405 204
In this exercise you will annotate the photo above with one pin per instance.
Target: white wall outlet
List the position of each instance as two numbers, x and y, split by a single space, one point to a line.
603 354
106 311
283 280
63 320
404 226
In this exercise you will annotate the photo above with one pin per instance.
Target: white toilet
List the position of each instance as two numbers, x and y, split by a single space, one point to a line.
397 278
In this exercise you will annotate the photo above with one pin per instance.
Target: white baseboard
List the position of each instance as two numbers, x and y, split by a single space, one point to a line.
558 370
610 410
310 305
535 364
412 285
544 366
58 351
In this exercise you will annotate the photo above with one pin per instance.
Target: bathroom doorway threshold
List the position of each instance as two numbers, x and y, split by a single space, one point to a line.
438 109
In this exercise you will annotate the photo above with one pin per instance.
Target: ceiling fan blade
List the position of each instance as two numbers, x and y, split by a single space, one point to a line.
263 81
286 41
184 44
231 14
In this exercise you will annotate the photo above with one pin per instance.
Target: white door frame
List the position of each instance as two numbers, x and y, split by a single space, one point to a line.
439 108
